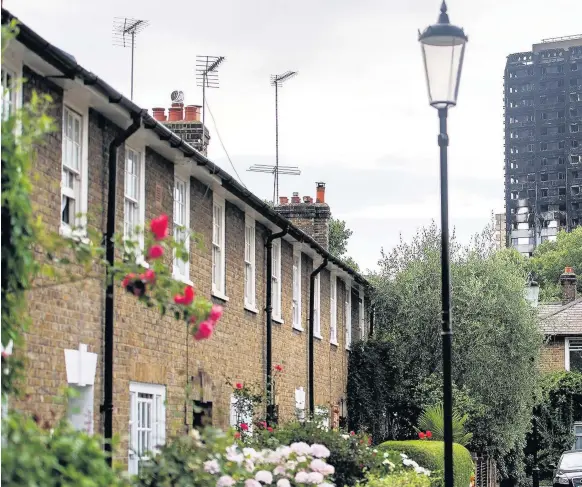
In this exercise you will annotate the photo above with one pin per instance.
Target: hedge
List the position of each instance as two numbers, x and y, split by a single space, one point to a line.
429 454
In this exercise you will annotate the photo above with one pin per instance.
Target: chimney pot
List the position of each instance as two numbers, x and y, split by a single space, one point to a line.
159 114
295 198
283 200
192 113
320 193
307 199
568 283
175 113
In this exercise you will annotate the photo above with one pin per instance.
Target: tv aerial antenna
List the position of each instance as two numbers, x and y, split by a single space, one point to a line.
207 77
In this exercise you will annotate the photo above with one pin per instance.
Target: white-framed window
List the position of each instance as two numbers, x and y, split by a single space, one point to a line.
577 436
573 354
333 309
362 318
241 411
75 167
348 315
276 280
250 268
81 366
297 290
9 92
322 416
182 225
300 403
218 247
147 422
317 304
134 196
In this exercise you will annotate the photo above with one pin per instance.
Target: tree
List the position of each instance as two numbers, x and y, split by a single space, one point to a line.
495 345
339 235
550 259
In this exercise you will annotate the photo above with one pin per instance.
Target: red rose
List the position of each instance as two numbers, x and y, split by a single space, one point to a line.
244 426
238 385
429 434
352 433
237 436
127 279
155 251
269 429
159 227
215 313
421 435
148 276
263 424
279 368
204 331
187 298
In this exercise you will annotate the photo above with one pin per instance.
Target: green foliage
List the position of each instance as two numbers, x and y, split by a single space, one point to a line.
432 419
550 259
339 235
401 479
559 405
350 454
61 457
496 343
430 454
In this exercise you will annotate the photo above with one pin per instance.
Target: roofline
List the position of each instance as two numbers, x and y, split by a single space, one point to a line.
68 66
561 308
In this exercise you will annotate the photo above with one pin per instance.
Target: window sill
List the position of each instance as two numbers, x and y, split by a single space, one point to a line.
220 296
78 236
298 328
252 309
183 279
319 337
279 320
334 343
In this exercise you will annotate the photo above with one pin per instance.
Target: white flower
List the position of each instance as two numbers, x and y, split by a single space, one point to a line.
252 483
225 481
250 453
291 465
264 477
314 478
326 484
409 463
346 437
322 467
211 466
233 455
389 463
284 451
249 465
279 470
283 483
422 470
375 451
402 455
319 451
301 477
195 434
301 448
301 458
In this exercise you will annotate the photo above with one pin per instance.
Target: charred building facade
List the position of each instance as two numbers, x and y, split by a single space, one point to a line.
543 142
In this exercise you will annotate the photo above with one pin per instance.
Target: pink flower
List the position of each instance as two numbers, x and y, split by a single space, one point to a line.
269 429
279 368
352 433
186 298
215 313
314 478
319 451
204 331
148 276
239 385
155 251
264 476
302 477
237 436
429 434
421 435
5 354
225 481
244 426
127 279
159 227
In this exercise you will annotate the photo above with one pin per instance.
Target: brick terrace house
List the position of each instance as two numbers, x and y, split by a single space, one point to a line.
561 324
154 358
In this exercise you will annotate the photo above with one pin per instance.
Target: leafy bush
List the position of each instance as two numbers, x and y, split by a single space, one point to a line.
350 453
61 457
429 454
400 479
432 419
211 458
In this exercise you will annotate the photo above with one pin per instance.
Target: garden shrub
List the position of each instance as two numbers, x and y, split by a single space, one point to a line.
429 454
60 457
400 479
350 453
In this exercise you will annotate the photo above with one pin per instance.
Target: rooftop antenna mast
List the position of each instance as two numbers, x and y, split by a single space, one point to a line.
124 32
277 81
207 77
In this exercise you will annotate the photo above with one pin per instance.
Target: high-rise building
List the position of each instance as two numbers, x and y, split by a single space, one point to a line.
499 231
543 142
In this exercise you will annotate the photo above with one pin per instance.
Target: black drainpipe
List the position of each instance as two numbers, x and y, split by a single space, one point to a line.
311 316
107 407
271 414
372 311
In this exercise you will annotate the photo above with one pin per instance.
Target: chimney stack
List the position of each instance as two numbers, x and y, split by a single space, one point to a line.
311 217
568 283
192 113
159 114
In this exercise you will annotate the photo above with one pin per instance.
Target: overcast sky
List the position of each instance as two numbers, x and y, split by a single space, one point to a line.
356 116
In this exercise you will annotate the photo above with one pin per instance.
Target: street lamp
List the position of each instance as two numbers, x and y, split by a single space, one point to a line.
443 48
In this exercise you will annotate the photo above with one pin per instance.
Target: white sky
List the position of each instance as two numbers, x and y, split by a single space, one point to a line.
356 116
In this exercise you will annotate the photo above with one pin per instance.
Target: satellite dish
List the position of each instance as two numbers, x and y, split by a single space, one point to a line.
177 96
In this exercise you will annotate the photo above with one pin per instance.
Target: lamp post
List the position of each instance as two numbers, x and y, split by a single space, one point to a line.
443 48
